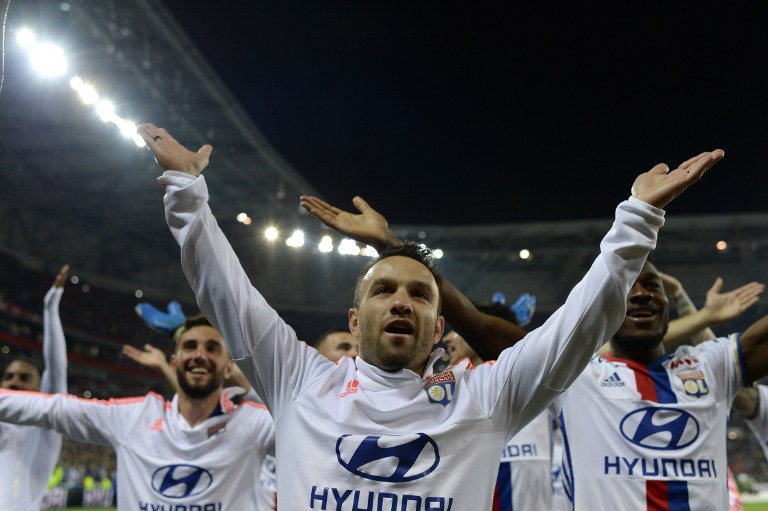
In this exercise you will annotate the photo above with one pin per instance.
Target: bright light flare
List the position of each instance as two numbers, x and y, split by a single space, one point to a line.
106 110
721 245
49 60
138 140
296 239
127 128
438 253
369 251
271 233
87 92
25 37
348 247
325 245
525 254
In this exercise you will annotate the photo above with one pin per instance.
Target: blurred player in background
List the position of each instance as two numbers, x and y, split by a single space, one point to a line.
198 450
28 454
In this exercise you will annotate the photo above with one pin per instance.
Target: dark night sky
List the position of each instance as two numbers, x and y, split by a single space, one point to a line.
443 112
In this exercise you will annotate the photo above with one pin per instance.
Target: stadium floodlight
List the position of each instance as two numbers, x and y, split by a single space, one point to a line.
138 140
296 239
438 253
49 60
271 233
369 251
241 217
138 293
76 83
87 92
525 254
106 110
127 128
326 244
25 37
721 245
348 247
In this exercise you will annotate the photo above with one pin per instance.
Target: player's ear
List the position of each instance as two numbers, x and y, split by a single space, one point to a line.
229 369
172 361
354 326
439 329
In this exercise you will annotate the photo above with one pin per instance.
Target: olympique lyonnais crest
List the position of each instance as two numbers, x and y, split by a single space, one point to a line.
694 383
440 388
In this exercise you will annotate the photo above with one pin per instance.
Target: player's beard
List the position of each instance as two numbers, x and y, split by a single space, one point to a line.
639 342
375 351
198 391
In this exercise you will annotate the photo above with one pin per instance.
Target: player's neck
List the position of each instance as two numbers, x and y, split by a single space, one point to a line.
641 355
196 410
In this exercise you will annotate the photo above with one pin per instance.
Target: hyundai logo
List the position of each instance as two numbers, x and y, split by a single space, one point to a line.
660 428
393 459
181 481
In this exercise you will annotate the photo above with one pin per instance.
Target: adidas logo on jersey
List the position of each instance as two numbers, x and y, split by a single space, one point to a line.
612 381
352 386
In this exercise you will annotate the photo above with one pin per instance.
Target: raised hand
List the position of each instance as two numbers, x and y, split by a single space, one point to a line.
61 277
723 307
659 186
150 357
369 226
170 154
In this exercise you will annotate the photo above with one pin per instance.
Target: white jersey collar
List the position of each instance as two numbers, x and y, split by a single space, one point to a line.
376 378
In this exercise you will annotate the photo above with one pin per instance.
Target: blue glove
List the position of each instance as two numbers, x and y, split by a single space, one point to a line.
166 323
524 308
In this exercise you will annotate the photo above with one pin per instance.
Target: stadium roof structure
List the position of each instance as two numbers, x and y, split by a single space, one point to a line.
75 190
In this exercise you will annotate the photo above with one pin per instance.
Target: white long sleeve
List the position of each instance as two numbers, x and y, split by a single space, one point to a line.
54 378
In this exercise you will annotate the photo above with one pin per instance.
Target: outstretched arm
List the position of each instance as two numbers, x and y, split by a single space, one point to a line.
153 358
275 362
488 335
54 378
4 4
718 308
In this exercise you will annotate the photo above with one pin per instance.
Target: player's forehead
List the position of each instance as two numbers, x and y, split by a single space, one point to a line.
400 270
201 334
20 367
649 273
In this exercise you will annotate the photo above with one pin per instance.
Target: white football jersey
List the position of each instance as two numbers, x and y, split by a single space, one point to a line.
525 470
162 462
28 454
354 436
558 493
651 436
759 423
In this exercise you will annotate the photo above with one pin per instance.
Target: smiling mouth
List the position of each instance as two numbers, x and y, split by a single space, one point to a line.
399 328
642 314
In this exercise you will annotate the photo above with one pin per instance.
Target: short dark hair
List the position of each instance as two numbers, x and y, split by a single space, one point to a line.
418 253
27 360
499 310
190 322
